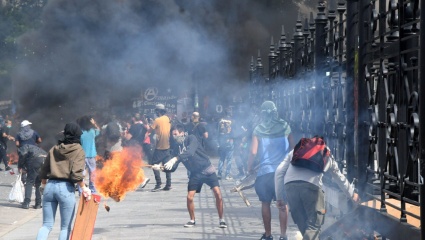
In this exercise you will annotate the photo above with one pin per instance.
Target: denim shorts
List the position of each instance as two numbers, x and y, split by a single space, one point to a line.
264 187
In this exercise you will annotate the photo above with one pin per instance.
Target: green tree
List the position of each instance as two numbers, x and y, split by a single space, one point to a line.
16 18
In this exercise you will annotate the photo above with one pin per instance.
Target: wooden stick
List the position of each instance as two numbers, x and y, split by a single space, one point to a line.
150 166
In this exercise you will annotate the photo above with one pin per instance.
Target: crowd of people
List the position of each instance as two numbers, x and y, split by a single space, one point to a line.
261 145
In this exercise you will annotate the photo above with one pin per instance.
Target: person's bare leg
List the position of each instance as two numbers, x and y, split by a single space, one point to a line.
191 204
283 219
218 201
267 217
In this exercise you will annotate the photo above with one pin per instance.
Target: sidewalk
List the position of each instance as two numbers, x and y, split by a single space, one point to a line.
153 215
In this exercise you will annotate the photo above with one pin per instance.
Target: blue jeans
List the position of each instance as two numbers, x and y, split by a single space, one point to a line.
91 166
57 193
226 155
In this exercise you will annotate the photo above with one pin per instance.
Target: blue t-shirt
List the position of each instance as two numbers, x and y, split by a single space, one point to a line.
88 142
272 152
31 141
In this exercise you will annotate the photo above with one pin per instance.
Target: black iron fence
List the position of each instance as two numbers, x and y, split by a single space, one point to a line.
352 74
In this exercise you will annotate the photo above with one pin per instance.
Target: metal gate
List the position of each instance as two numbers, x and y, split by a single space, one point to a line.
352 74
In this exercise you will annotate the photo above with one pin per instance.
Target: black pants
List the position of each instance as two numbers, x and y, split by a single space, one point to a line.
33 179
3 155
161 156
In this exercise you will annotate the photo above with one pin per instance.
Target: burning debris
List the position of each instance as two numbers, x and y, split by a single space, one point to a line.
120 173
13 158
106 207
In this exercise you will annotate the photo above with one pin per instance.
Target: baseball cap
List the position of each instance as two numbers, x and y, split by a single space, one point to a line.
25 123
160 106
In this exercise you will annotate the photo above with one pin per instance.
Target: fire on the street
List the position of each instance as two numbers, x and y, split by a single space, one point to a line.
120 174
13 158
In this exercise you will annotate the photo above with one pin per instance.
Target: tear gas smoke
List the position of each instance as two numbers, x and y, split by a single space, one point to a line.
90 55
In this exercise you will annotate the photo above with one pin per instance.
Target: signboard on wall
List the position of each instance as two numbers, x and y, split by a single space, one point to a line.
152 96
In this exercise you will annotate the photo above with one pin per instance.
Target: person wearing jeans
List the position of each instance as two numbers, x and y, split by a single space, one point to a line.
63 167
31 159
90 132
62 194
226 147
161 126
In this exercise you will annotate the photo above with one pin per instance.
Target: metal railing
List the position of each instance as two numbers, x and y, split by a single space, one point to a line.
352 74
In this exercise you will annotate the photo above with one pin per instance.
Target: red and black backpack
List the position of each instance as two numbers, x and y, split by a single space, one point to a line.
311 153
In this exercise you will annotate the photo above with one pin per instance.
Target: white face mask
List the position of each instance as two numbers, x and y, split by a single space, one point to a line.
179 139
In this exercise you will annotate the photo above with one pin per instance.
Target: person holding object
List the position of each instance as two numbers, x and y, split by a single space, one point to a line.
31 158
63 167
304 192
191 153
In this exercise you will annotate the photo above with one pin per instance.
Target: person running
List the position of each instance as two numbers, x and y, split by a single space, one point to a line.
193 156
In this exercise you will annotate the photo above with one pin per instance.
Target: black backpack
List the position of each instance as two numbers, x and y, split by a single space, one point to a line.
311 153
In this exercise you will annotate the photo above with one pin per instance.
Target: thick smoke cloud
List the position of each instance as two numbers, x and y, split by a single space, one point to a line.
90 52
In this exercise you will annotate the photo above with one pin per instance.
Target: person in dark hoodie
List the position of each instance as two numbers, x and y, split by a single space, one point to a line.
189 151
27 135
31 158
63 167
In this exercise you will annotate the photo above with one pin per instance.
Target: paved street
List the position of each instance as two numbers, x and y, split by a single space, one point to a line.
151 215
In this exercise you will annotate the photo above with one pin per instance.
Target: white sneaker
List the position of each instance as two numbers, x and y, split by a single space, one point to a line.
189 224
145 182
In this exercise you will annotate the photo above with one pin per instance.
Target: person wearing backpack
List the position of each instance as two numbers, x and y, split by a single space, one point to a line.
195 127
271 142
298 182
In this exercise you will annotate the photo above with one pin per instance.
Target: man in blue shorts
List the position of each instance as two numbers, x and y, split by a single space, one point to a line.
271 141
189 151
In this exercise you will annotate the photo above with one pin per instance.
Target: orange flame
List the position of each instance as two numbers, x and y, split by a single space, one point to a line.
13 158
120 174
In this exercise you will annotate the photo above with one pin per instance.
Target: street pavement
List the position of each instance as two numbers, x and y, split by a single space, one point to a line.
143 214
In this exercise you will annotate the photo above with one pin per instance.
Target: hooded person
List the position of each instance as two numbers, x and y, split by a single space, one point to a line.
27 135
271 142
62 169
31 158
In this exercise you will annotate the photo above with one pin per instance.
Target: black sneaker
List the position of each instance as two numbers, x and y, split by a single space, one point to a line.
223 224
166 188
8 168
264 237
156 189
189 224
1 169
37 206
219 177
25 205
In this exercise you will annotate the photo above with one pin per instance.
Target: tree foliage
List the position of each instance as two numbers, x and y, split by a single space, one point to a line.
16 17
